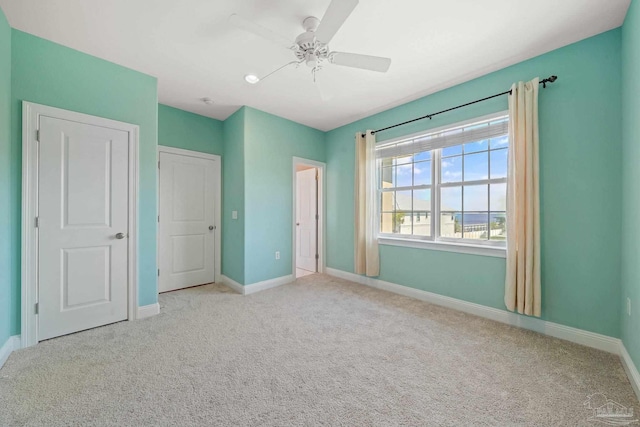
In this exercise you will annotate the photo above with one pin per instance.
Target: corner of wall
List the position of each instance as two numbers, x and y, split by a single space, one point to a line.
233 194
630 280
9 292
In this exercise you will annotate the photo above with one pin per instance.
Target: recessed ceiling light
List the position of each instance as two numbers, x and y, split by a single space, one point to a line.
207 101
252 78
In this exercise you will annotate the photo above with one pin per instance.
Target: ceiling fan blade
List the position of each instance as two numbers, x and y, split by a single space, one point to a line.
337 12
260 31
366 62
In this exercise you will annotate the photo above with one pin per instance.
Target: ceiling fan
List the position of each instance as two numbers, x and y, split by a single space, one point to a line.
312 46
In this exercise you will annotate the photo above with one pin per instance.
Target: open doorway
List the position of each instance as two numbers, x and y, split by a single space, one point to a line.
307 217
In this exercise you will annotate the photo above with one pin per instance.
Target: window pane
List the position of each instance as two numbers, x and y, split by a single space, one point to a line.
476 167
476 198
387 176
474 147
498 226
498 197
450 225
425 155
499 163
388 201
422 173
451 199
452 169
403 201
421 200
386 162
403 160
475 226
403 175
499 142
387 224
422 223
452 151
403 222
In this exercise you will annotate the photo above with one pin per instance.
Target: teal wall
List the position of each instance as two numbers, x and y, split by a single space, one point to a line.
47 73
8 274
181 129
233 190
271 143
631 181
580 158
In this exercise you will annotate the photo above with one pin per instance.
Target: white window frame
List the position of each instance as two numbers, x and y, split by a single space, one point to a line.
434 241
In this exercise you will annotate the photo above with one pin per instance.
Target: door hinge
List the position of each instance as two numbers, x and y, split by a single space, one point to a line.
317 256
37 307
158 272
317 217
38 135
37 222
158 218
158 164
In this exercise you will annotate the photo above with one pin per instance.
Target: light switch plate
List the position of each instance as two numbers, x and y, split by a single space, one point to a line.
234 214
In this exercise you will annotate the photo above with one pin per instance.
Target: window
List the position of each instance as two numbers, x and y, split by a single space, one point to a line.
448 185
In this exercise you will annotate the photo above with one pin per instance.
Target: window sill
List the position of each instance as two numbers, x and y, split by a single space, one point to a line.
490 251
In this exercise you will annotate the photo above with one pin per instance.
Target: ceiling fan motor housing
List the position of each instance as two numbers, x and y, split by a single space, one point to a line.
306 40
309 50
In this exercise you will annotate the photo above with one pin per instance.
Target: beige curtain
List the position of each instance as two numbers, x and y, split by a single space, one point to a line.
522 284
367 258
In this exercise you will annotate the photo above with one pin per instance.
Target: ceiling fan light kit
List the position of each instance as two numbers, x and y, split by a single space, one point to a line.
312 46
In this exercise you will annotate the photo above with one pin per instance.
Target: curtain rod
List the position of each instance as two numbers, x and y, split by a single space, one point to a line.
430 116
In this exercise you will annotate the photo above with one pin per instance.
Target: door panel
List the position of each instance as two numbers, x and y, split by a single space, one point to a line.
188 253
85 277
87 182
187 195
83 203
306 223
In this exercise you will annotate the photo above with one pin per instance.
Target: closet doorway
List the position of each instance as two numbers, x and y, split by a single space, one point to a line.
308 217
189 219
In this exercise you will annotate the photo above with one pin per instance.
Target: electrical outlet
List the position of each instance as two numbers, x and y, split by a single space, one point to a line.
277 254
628 306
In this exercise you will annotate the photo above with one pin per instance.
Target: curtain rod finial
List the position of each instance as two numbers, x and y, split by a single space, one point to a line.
550 79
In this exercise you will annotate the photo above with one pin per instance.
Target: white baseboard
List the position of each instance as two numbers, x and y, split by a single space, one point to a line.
630 368
12 344
579 336
268 284
148 311
230 283
258 286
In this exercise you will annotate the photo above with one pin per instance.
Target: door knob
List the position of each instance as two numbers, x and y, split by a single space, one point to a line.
120 236
297 223
211 228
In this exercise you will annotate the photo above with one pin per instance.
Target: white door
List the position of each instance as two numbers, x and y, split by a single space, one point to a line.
83 205
187 232
306 223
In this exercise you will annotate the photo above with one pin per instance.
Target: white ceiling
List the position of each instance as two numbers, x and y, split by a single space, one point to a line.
195 53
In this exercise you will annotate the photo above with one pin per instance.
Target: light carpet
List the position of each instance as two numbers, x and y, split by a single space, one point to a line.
318 351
